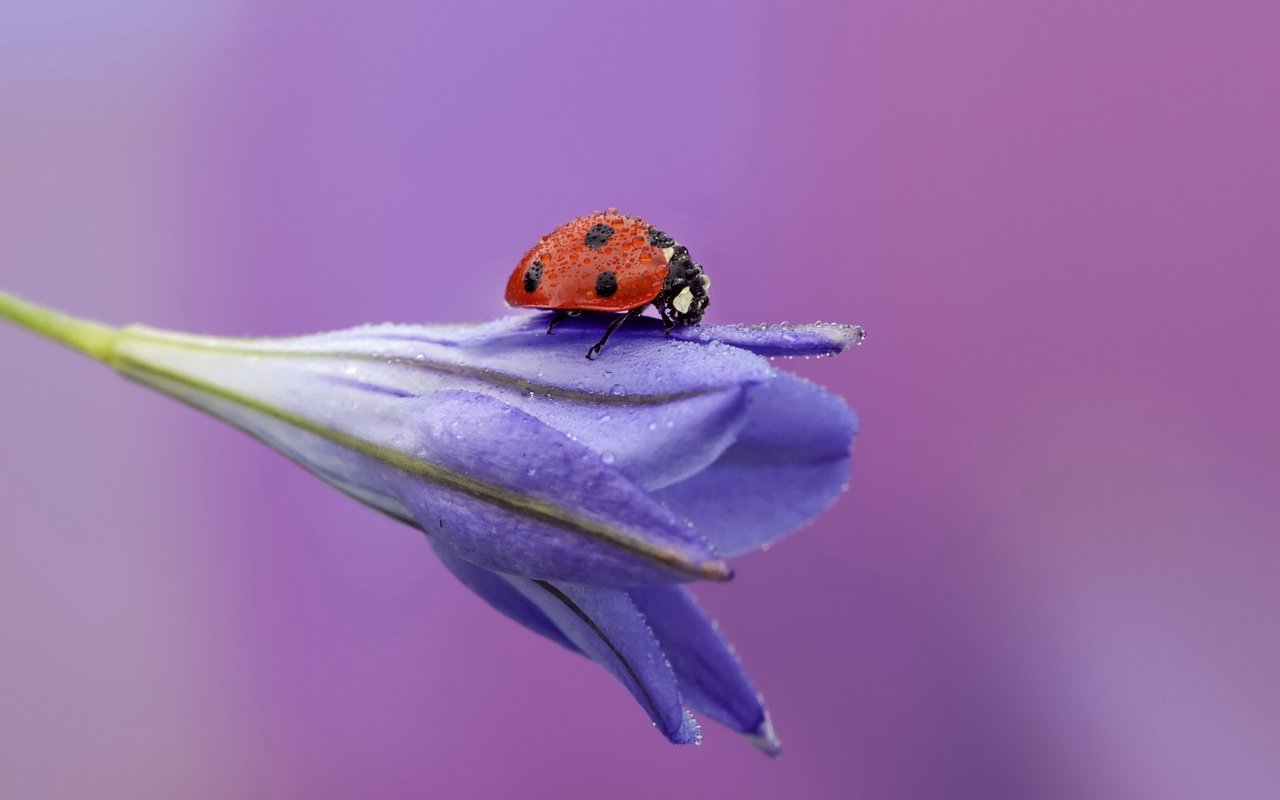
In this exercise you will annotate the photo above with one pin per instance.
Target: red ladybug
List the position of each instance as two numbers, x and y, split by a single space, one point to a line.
610 262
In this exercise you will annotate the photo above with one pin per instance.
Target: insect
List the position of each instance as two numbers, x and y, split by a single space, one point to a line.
610 262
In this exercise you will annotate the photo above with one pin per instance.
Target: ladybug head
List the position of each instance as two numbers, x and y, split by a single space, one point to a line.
685 292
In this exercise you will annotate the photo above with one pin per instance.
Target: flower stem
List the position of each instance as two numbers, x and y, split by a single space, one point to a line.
91 338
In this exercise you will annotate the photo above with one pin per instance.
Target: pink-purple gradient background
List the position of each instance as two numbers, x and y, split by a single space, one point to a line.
1056 572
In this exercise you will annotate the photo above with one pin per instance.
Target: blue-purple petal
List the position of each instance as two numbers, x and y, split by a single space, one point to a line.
529 501
789 463
605 625
710 677
499 592
661 408
462 465
810 339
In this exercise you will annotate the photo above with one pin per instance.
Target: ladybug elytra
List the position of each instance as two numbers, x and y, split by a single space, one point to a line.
610 262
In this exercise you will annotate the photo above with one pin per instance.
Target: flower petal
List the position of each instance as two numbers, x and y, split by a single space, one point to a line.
662 409
505 491
789 463
605 624
532 502
710 677
812 339
498 592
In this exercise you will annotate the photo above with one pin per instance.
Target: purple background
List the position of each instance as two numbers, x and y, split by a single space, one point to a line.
1055 575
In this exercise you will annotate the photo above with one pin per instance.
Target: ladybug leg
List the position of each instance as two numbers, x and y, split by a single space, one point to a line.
594 350
667 322
560 316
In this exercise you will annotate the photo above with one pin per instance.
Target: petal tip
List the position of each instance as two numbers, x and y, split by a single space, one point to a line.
690 732
765 739
716 570
852 335
780 340
833 337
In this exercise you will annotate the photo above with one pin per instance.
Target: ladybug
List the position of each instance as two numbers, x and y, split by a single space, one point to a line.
610 262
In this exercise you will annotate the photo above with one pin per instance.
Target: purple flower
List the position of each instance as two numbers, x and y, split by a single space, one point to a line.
572 495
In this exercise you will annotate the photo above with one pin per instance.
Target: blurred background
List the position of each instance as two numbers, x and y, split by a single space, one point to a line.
1057 571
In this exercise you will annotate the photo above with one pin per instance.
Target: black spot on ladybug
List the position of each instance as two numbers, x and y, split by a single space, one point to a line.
533 276
659 239
598 235
606 284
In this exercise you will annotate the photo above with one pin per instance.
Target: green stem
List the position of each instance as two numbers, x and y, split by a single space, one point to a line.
91 338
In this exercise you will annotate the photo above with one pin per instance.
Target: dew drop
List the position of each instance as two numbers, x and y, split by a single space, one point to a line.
531 471
607 457
617 390
604 418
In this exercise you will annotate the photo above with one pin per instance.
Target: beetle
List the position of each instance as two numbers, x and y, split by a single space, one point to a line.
614 263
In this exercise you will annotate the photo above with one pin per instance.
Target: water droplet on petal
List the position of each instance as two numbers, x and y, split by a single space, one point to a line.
607 457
